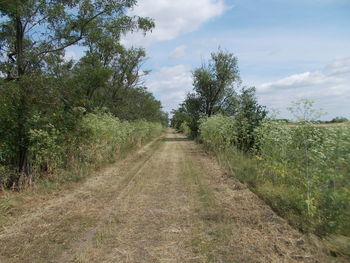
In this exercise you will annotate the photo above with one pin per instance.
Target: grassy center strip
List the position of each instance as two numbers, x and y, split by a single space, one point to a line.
212 238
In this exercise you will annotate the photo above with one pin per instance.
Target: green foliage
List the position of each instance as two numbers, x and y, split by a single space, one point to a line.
99 138
218 131
214 93
139 103
301 170
185 129
237 130
109 136
45 101
339 120
213 83
45 149
213 86
179 117
315 161
248 114
112 84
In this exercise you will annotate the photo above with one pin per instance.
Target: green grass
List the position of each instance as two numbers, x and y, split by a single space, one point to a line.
287 200
215 233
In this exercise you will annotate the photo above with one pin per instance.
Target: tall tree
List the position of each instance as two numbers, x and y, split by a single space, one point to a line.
214 82
213 89
33 32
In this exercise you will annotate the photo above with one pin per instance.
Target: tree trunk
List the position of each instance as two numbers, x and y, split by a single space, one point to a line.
19 47
23 141
23 165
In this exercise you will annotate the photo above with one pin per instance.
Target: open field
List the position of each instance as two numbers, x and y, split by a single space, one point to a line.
343 124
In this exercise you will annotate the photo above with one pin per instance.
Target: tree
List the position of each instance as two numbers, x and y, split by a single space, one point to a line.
213 89
339 120
43 27
36 32
138 103
214 83
248 114
179 117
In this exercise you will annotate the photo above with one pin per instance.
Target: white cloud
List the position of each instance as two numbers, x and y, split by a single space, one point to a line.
178 52
339 66
330 88
171 84
302 80
173 18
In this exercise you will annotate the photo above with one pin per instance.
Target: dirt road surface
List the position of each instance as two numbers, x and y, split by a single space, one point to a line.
168 202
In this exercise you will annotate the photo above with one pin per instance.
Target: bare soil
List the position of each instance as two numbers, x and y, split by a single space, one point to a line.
169 202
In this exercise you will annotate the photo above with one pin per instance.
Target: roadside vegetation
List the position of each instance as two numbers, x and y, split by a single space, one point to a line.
60 116
301 171
300 168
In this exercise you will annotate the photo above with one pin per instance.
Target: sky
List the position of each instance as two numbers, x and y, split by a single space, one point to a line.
287 49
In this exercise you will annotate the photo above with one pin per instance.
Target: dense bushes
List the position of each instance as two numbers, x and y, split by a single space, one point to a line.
301 170
97 138
218 132
110 136
185 129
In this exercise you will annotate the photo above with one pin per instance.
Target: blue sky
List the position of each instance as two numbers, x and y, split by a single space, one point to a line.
286 49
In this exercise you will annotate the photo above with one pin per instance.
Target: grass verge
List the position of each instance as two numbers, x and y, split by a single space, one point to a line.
286 200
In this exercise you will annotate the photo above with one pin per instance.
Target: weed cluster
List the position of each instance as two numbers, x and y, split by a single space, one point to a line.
99 138
302 171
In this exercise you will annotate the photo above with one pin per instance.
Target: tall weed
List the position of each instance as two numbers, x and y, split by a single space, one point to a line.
301 170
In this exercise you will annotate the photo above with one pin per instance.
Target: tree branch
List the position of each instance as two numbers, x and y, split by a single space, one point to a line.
76 40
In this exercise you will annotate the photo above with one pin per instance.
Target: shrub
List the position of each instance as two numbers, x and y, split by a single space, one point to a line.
185 129
301 170
218 131
96 139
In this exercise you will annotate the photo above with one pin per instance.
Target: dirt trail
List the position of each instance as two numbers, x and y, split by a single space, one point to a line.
169 202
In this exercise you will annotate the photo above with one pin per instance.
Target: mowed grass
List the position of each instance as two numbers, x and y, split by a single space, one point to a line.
214 234
48 223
